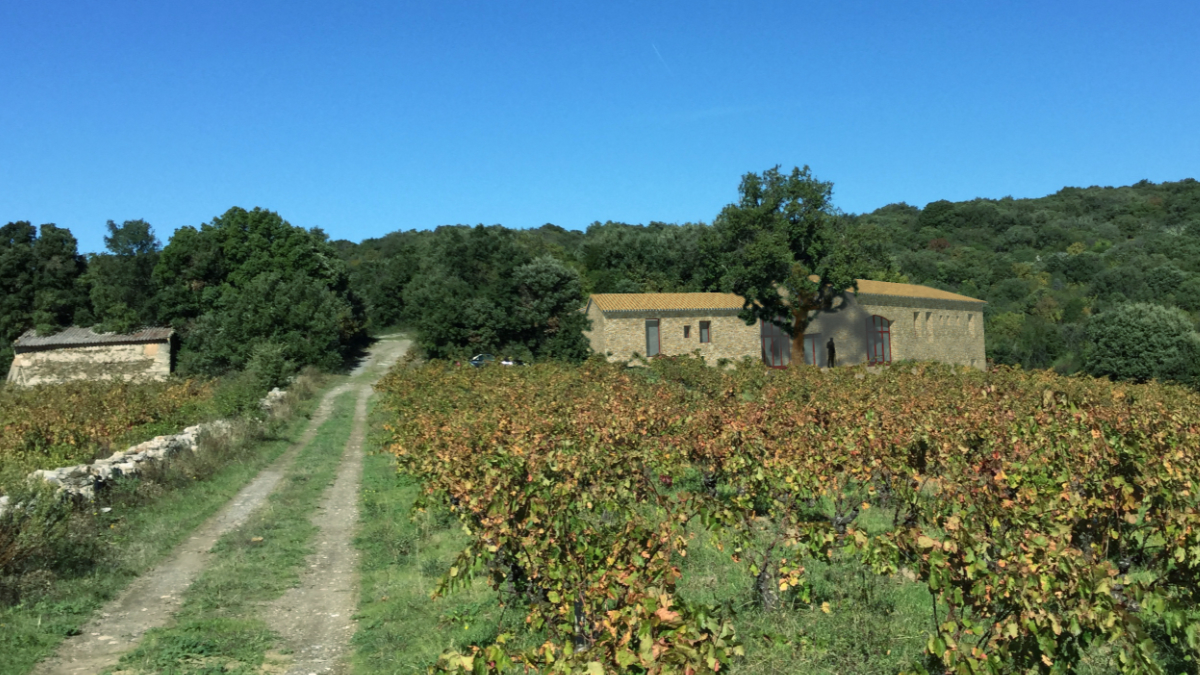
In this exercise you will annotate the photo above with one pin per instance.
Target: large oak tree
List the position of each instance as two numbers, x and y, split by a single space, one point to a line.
784 248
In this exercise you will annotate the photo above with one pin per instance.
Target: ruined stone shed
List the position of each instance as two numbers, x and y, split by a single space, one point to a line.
880 323
83 354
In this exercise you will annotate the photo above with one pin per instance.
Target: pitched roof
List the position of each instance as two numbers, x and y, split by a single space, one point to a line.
634 302
78 337
867 287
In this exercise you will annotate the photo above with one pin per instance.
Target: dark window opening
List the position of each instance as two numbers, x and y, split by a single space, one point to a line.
653 345
687 332
776 345
879 340
705 332
811 352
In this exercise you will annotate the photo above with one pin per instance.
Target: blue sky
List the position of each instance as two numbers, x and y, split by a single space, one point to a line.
365 118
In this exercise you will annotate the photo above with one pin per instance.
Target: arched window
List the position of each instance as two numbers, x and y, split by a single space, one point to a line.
879 340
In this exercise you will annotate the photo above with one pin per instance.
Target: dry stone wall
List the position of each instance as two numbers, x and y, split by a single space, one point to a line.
81 481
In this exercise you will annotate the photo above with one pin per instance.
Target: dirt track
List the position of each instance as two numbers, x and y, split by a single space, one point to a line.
314 618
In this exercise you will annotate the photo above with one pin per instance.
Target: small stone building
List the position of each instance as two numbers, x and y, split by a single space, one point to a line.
881 323
83 354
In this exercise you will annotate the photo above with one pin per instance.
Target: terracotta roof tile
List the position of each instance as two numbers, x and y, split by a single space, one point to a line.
909 291
633 302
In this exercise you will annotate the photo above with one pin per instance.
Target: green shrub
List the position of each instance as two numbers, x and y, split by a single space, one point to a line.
1141 342
35 518
270 366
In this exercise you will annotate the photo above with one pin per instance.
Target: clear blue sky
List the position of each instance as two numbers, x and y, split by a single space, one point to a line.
365 118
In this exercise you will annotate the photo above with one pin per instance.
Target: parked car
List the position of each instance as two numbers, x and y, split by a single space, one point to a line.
480 360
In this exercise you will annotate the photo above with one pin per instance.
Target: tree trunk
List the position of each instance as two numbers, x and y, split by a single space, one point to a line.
799 324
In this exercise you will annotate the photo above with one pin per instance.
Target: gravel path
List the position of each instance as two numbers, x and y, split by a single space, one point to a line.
314 618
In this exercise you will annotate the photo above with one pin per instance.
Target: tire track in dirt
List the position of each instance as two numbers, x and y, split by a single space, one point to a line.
315 618
153 598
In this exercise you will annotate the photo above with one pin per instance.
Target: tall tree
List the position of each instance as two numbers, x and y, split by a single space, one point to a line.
782 247
122 281
16 284
58 290
39 282
250 278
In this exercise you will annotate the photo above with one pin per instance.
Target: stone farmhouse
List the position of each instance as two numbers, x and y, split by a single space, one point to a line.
83 354
880 323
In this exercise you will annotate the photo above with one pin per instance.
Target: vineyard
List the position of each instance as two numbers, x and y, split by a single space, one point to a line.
1049 517
56 425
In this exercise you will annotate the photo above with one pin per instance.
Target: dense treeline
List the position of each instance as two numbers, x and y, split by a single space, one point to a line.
1105 280
245 291
1048 268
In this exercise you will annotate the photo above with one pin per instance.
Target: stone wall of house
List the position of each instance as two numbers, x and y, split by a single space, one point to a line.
921 329
149 361
931 333
846 324
595 336
730 337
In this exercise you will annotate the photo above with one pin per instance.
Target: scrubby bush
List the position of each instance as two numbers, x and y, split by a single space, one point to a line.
1141 342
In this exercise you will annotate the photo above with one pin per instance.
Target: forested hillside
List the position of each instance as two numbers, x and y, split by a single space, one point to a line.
1046 266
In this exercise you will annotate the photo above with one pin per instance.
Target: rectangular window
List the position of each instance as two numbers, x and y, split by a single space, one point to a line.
705 332
652 343
687 332
776 345
812 356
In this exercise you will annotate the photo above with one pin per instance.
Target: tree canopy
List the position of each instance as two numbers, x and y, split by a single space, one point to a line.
783 248
248 278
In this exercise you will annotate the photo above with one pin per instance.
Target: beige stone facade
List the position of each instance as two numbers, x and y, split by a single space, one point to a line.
882 322
625 325
917 329
80 354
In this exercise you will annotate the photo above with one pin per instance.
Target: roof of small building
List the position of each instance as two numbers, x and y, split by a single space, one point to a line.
81 337
634 302
909 291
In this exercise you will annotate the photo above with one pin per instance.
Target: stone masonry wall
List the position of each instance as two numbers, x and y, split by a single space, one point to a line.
947 334
150 361
595 336
730 337
81 481
930 334
846 323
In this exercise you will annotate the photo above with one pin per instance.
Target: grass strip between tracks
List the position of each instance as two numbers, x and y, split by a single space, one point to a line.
105 551
218 628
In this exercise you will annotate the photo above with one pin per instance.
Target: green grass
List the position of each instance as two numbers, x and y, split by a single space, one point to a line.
404 554
103 552
218 628
873 624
